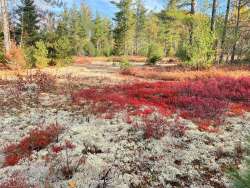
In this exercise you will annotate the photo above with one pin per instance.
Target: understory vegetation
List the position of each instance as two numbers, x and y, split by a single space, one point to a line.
204 101
181 29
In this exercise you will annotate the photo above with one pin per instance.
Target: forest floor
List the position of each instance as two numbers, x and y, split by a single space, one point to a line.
78 127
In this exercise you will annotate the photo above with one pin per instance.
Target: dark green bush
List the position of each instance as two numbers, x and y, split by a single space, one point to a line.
155 54
2 58
124 64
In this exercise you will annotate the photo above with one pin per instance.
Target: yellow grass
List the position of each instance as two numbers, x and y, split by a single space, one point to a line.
185 75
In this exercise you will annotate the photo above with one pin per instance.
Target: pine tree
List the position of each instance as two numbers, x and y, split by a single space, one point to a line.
124 30
213 17
27 26
153 28
224 33
140 27
85 29
101 36
171 22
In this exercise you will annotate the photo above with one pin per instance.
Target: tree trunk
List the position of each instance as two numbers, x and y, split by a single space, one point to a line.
6 29
236 32
224 31
192 12
213 15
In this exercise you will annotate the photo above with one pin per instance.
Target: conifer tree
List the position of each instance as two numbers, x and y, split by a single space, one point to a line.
101 36
124 30
27 26
140 26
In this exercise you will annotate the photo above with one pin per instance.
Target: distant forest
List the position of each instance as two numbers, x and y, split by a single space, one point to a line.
198 38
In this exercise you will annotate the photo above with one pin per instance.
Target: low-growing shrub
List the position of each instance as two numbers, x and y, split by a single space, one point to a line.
36 140
16 56
205 100
155 54
124 65
181 75
68 166
44 82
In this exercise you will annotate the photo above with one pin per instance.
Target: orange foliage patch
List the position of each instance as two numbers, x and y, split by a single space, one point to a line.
82 60
178 75
238 109
17 56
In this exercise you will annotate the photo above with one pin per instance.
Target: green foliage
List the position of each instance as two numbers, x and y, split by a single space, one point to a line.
101 38
62 47
241 178
155 53
172 28
2 58
27 27
90 49
63 51
29 56
41 54
140 28
200 54
124 30
124 64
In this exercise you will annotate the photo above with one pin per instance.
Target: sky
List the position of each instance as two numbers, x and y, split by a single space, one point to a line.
107 9
104 7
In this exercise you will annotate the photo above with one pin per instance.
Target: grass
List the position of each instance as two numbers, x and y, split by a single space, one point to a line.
180 75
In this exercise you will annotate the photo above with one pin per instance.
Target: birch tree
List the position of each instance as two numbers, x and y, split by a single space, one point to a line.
6 29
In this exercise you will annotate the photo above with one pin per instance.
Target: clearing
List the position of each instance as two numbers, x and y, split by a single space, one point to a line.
89 125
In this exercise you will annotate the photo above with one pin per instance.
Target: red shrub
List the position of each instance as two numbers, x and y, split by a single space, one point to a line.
45 82
67 145
154 128
57 149
237 109
36 140
202 100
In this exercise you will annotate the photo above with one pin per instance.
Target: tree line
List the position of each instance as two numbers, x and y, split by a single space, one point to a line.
180 29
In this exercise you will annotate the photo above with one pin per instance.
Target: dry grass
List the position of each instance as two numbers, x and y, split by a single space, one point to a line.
87 60
136 59
179 75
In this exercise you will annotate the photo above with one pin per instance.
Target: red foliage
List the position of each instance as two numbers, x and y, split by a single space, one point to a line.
201 100
154 128
178 129
45 82
238 109
36 140
57 149
67 145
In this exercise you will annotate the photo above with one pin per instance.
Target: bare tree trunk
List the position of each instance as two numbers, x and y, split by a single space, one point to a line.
236 32
223 38
6 29
213 15
192 25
